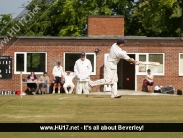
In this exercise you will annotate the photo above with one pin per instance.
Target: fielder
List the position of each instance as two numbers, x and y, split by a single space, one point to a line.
68 77
110 67
82 69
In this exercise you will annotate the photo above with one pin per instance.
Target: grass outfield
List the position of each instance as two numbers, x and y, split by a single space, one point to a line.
62 108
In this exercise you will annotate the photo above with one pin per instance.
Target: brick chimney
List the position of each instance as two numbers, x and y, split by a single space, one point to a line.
106 25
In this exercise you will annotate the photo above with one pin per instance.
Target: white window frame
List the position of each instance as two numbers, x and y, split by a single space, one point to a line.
147 66
25 63
180 74
94 69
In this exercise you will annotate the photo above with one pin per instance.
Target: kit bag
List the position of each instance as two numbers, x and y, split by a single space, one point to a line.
167 90
179 92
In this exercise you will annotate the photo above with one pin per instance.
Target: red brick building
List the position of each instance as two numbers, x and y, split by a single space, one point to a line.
41 54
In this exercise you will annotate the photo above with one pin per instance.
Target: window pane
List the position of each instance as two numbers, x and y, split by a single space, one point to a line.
70 59
36 62
156 58
20 62
91 58
142 68
181 63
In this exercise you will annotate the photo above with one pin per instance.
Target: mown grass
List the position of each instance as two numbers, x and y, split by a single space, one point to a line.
94 109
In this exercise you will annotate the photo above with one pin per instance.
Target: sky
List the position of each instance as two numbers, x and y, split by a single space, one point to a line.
12 6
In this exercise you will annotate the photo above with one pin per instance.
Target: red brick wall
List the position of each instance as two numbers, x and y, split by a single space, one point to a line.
171 49
105 26
55 49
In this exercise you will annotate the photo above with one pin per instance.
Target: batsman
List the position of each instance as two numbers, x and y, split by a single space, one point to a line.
110 67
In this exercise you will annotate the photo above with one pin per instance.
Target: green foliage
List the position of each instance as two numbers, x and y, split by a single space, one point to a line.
69 17
6 23
157 18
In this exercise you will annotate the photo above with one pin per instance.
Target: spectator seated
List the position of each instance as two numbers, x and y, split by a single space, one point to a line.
44 83
148 82
146 86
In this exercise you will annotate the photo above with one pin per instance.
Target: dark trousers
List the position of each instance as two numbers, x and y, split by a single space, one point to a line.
32 86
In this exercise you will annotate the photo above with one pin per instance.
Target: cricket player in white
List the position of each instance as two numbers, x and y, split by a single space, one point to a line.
57 76
68 77
82 69
110 67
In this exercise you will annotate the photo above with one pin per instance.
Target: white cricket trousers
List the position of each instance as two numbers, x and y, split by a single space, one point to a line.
66 85
82 86
110 77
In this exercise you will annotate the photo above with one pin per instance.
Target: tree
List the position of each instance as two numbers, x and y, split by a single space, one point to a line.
69 17
162 18
181 5
6 23
36 22
157 18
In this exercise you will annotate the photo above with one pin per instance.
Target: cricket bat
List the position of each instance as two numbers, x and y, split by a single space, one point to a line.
147 63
